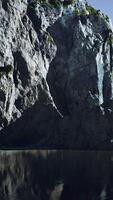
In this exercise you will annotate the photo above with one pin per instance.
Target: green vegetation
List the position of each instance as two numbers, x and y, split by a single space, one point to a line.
55 3
110 39
76 11
91 10
51 3
44 1
112 74
83 13
67 2
106 18
50 39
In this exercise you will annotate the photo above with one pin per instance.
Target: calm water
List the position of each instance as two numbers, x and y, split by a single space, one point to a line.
56 175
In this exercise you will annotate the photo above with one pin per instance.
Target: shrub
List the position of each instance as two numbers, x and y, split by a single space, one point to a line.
55 3
50 39
91 10
106 18
76 11
67 2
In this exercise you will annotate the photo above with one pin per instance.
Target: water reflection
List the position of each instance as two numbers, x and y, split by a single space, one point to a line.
56 175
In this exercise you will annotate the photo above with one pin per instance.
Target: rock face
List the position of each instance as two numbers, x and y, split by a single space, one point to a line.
59 175
56 76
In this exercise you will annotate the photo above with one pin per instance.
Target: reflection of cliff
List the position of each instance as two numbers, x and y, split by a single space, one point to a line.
61 175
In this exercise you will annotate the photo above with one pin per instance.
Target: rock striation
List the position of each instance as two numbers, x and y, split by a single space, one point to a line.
56 79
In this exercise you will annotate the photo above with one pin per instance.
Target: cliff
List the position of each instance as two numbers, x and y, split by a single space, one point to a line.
55 75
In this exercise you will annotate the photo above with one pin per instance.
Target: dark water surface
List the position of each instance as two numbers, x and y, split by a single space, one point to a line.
53 175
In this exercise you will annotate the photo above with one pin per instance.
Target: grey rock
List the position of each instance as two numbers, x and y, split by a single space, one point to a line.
56 85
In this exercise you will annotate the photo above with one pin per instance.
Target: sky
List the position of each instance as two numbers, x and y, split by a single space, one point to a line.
106 6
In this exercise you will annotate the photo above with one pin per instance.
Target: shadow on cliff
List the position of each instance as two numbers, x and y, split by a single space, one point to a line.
36 128
74 87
